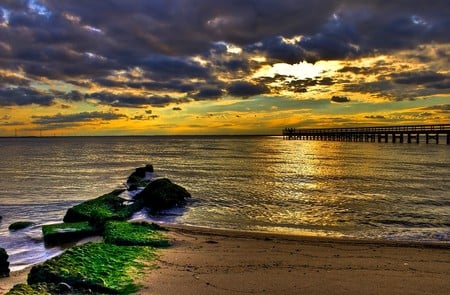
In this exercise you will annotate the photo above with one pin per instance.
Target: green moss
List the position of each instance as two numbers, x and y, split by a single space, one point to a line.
20 225
97 266
24 289
137 234
98 211
67 232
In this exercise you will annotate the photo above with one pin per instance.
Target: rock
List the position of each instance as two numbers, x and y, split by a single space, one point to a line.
98 211
60 233
136 178
64 288
20 225
96 268
124 233
4 264
163 194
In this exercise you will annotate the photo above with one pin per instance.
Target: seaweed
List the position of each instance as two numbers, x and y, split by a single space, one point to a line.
99 210
100 267
134 234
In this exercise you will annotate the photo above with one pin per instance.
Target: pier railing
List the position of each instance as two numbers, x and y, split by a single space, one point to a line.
380 133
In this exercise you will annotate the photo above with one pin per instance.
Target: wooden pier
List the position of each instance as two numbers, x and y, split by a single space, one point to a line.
401 134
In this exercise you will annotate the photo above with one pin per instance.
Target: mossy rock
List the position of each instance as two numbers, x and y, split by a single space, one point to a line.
134 234
98 211
24 289
20 225
60 233
4 264
163 194
136 179
99 267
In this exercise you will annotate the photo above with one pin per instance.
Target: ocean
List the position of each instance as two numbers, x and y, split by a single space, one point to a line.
360 190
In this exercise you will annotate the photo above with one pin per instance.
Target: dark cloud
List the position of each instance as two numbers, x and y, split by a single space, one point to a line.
166 67
418 78
76 119
144 117
6 80
246 89
340 99
132 101
279 50
88 43
176 109
208 94
21 96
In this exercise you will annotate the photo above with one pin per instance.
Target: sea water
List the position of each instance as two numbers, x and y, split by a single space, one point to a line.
257 183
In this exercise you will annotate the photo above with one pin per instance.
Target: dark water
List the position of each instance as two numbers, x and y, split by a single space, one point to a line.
343 189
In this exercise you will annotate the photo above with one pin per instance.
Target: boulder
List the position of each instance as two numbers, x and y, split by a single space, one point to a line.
98 211
137 178
124 233
20 225
94 268
4 264
162 194
55 234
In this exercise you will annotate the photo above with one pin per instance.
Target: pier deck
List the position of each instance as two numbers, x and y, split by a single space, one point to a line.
409 134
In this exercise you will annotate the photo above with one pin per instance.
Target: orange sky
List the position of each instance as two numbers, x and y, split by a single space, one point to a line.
220 67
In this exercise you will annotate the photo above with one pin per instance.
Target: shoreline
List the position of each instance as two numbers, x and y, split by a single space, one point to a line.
210 261
301 238
207 261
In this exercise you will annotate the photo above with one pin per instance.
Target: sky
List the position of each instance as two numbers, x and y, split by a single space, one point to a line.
164 67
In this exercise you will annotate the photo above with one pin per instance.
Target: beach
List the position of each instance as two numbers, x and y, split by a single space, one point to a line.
212 261
206 261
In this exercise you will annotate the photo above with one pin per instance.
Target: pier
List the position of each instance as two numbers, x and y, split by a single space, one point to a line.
394 134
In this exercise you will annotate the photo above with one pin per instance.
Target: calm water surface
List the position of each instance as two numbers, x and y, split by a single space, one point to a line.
359 190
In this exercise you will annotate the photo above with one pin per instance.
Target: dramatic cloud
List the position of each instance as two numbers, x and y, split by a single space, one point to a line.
208 94
76 119
21 96
418 78
91 55
246 89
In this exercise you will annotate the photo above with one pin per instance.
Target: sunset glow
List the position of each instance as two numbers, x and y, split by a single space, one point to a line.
220 67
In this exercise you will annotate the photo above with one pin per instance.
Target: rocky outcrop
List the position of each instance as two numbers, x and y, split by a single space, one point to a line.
98 211
4 264
163 194
20 225
139 177
59 233
134 234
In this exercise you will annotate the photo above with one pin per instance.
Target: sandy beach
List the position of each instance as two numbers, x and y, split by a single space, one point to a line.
206 261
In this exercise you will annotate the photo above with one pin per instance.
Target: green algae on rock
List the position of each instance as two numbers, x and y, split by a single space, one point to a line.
99 267
20 225
60 233
99 210
134 234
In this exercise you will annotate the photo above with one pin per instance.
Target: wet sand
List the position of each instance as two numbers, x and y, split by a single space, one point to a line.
204 261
